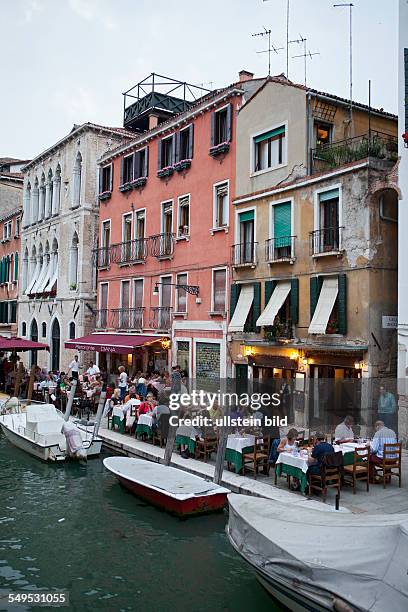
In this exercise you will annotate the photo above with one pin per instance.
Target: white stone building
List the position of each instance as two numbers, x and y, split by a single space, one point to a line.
59 232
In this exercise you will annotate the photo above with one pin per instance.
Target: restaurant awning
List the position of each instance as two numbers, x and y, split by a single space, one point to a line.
327 299
272 361
20 344
110 343
275 303
246 297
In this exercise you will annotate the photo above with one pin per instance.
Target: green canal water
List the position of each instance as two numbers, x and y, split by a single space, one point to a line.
73 527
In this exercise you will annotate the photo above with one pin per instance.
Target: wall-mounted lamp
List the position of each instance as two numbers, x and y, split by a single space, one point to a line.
165 343
193 289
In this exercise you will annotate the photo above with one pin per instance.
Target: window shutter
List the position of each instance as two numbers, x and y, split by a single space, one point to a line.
229 123
136 164
269 288
146 162
213 118
255 311
122 170
159 155
176 147
234 295
100 179
294 300
282 224
315 286
342 304
16 266
111 178
190 141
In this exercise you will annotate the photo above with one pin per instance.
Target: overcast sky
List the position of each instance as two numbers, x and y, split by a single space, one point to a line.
68 61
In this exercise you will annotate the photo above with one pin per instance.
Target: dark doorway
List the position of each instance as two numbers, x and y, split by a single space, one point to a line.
34 338
55 346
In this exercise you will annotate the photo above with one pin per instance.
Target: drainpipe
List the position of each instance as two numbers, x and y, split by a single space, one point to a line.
382 216
308 132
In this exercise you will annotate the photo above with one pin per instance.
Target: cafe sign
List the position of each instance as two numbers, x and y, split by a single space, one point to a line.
389 322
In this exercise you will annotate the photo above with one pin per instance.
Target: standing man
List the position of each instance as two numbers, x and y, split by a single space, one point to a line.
387 408
74 367
93 369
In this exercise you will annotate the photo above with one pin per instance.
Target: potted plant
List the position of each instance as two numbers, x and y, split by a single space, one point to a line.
105 195
183 164
165 172
73 286
223 147
139 182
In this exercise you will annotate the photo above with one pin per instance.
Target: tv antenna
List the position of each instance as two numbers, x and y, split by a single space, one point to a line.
350 5
306 54
270 48
287 36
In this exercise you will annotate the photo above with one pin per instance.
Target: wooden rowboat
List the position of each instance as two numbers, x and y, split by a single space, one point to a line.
169 488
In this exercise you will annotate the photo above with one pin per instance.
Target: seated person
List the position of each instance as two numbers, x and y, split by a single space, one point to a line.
161 408
288 442
133 402
321 448
383 435
147 406
344 431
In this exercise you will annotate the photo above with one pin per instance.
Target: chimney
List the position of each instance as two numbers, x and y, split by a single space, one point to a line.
245 75
153 121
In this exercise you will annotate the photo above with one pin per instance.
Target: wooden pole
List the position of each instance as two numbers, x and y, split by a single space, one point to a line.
30 386
171 439
220 458
18 378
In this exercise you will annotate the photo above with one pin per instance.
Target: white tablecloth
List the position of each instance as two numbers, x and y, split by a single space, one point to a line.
145 419
188 431
239 443
298 461
118 412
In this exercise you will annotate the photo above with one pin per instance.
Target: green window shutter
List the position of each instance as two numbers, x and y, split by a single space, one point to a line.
255 311
271 134
269 289
234 295
329 195
294 300
2 271
249 215
342 304
16 266
282 226
315 286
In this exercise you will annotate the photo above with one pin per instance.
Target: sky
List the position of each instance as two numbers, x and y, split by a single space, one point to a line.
65 62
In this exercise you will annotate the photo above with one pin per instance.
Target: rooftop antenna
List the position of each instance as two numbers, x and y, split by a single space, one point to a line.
270 48
306 54
350 5
287 36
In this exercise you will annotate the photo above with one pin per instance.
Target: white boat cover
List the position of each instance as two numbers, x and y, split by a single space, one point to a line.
167 480
362 560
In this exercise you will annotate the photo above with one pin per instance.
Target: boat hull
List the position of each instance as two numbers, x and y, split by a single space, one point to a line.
45 453
183 508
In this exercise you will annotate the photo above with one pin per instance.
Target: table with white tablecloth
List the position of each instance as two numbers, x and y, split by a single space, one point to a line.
144 426
118 418
237 446
187 435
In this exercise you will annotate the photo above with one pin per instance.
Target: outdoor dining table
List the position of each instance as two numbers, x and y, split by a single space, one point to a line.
236 447
118 418
144 426
297 465
187 434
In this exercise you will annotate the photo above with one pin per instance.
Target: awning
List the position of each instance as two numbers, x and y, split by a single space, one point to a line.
110 343
19 344
246 297
275 303
273 361
327 299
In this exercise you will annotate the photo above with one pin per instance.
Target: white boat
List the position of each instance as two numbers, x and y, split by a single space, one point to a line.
166 487
317 561
38 431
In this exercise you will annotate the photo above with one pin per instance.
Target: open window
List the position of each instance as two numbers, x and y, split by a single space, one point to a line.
221 205
181 293
183 217
141 163
105 179
322 133
127 169
269 149
185 148
326 237
219 291
166 152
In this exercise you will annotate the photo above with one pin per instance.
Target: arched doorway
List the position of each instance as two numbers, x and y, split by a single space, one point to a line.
34 338
55 345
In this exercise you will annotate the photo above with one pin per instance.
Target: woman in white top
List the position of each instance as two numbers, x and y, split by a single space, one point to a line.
288 444
123 377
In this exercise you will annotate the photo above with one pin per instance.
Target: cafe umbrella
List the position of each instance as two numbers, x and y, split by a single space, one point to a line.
16 345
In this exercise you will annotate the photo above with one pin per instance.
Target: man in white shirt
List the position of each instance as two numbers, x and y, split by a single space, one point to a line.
74 367
383 435
93 369
344 431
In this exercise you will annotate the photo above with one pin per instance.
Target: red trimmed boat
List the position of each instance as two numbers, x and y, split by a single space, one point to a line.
166 487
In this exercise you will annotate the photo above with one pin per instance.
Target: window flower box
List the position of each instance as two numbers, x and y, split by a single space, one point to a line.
139 182
125 187
105 195
219 149
184 164
165 172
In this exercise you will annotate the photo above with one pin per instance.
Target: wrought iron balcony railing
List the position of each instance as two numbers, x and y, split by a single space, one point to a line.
162 245
103 257
103 319
132 251
335 154
325 240
128 318
280 249
160 318
244 254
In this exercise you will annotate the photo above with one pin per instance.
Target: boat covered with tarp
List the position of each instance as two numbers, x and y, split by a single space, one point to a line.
316 560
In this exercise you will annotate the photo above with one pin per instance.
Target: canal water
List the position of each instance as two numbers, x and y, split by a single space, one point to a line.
73 527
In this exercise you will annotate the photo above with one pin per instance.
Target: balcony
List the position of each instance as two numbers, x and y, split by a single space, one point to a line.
128 318
103 319
132 251
162 245
332 155
103 257
161 318
325 241
244 254
280 249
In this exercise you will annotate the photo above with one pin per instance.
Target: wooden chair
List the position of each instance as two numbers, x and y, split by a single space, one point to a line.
161 432
206 445
259 456
391 461
330 475
359 469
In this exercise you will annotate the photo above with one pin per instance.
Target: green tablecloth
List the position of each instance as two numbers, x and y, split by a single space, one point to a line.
191 445
144 430
116 420
237 458
348 458
295 472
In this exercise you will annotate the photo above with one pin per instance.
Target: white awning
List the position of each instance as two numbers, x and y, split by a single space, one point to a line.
41 286
327 299
246 297
276 301
35 288
34 277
